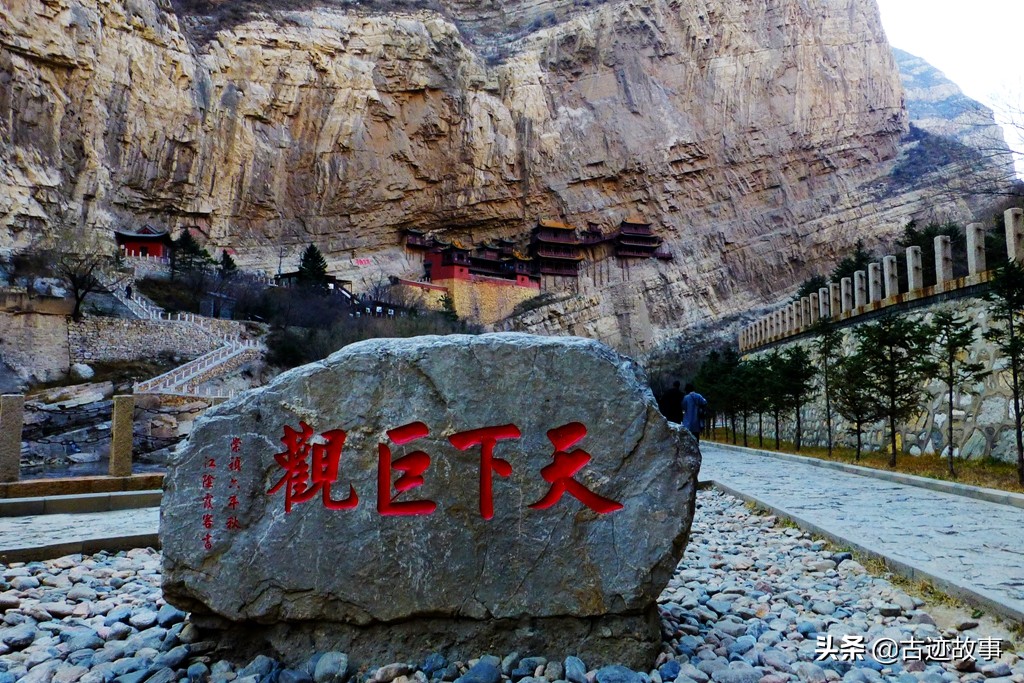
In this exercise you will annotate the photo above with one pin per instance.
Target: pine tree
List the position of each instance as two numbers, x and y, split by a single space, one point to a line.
954 333
227 268
895 350
828 345
798 379
313 269
854 396
187 255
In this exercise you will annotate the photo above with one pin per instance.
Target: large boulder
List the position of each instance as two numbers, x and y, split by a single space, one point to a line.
349 504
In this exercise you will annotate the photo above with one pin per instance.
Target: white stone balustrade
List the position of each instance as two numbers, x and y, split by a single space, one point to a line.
880 283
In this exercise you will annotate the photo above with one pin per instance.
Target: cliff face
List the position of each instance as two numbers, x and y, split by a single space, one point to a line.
758 137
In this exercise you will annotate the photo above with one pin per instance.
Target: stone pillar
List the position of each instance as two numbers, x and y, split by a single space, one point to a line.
1013 219
915 277
943 261
805 305
846 285
814 301
860 288
121 436
891 275
975 248
835 300
12 414
798 315
824 310
874 282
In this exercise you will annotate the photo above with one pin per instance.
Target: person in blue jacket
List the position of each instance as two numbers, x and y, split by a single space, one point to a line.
693 410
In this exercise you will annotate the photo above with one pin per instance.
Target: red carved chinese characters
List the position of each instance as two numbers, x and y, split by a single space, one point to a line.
487 437
412 465
564 465
303 480
312 468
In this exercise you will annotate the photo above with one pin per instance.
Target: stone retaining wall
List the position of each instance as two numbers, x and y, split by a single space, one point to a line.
116 339
983 423
34 345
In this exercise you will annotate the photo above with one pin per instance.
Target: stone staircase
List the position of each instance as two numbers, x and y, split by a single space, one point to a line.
184 380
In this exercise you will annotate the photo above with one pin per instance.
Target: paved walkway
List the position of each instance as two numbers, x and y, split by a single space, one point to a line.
34 537
968 547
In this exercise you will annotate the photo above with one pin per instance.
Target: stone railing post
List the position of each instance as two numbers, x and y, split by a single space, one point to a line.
975 248
814 302
805 308
890 274
824 309
121 436
12 421
798 315
943 261
1013 219
915 276
860 288
874 282
846 285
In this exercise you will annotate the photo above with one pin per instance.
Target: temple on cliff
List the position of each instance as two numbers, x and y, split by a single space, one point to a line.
636 239
486 282
146 241
556 248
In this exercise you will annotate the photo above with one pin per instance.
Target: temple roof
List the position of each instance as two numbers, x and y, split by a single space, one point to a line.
556 225
145 231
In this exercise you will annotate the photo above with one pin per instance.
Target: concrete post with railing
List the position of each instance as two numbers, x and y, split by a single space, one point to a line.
890 272
846 285
121 436
943 262
814 304
874 282
12 421
915 275
805 305
824 311
835 300
860 288
1013 220
975 248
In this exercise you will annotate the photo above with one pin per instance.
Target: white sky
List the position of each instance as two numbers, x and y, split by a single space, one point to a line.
976 43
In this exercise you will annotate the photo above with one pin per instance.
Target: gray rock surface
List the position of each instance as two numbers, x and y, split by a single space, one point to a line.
564 561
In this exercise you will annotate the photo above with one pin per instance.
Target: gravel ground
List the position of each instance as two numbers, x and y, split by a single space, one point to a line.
752 602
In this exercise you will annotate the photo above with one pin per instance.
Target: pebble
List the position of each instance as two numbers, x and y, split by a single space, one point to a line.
749 603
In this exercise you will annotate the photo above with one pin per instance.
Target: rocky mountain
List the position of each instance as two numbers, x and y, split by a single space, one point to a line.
760 138
947 127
